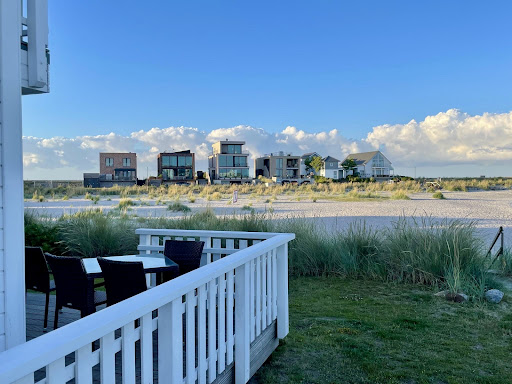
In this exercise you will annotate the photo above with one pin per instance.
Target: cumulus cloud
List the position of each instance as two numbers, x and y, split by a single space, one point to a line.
446 139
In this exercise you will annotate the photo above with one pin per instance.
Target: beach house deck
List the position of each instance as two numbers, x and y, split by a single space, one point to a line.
217 324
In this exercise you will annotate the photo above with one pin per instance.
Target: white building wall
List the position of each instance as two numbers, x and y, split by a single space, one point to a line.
12 278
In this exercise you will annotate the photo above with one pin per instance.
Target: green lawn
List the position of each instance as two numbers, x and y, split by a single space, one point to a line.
358 331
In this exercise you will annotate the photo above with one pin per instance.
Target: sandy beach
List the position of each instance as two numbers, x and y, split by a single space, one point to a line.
488 209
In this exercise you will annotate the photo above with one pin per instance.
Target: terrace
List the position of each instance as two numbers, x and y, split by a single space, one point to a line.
218 323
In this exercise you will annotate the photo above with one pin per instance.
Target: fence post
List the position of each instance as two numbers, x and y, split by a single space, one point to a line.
282 291
242 336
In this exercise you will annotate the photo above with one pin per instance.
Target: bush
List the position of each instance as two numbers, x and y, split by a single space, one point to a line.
400 195
125 203
438 195
178 207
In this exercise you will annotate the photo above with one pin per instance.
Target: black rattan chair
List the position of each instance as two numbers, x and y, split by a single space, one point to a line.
123 279
74 289
187 254
37 276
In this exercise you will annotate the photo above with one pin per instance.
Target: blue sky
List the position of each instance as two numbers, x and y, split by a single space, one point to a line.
128 66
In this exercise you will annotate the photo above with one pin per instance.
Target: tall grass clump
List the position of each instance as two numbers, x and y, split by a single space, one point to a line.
438 195
177 206
92 233
400 195
446 253
125 203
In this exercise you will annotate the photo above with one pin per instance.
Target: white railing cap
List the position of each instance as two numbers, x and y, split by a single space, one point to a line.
206 233
23 359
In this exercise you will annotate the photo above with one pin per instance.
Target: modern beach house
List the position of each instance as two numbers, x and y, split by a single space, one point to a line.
176 167
280 166
215 324
371 164
228 163
115 169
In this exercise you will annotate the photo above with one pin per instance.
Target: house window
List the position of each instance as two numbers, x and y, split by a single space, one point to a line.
127 162
109 161
240 161
331 164
223 161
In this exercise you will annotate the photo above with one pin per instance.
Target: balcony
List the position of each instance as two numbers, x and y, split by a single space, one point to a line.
217 323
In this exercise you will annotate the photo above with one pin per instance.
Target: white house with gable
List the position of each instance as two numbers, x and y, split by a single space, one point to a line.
371 164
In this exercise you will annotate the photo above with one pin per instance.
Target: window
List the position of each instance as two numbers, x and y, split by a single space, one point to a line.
127 162
168 174
223 161
169 161
181 161
109 161
240 161
188 161
332 164
230 173
279 172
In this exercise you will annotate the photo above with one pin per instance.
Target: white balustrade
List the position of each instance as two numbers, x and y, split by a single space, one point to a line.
220 308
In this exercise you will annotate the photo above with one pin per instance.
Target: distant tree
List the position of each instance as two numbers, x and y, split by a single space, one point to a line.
317 163
349 164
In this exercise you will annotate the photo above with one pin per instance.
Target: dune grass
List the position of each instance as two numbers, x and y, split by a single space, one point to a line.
438 195
444 254
359 331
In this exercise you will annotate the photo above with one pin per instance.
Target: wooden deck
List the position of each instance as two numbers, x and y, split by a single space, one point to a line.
261 348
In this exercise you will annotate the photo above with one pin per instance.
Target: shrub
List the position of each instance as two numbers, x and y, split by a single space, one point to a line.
125 203
438 195
177 206
400 195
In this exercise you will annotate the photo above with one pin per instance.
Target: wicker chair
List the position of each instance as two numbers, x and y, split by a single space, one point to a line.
74 289
187 254
37 276
123 279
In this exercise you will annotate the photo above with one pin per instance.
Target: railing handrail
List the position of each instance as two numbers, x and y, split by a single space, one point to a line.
19 361
205 233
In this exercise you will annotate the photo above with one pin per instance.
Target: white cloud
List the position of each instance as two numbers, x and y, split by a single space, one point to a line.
447 139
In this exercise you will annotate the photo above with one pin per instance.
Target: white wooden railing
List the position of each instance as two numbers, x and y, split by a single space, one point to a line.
230 301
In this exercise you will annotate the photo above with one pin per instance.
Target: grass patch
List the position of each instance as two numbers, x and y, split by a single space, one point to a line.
400 195
438 195
177 206
125 203
355 331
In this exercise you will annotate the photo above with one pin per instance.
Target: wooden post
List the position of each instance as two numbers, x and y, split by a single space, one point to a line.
242 336
12 312
282 291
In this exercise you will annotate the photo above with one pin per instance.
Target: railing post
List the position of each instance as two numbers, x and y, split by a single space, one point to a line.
242 336
170 343
282 291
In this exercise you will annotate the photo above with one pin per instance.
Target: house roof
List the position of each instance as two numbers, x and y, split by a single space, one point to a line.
309 154
330 159
363 157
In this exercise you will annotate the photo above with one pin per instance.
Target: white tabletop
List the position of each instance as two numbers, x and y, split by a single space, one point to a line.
149 262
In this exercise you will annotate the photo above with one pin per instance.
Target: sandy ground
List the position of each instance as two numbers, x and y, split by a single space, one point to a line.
488 209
